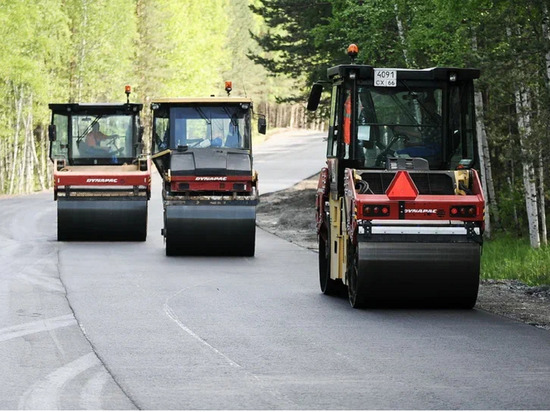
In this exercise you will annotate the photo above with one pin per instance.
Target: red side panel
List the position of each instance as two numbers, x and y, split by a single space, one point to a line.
402 201
102 179
211 183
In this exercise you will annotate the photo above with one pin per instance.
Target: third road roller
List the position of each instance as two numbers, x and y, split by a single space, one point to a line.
400 208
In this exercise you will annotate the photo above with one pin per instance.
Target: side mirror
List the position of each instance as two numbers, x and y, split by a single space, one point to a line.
314 97
52 132
262 125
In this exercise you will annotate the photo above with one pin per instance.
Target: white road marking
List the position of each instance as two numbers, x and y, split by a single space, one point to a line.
282 399
45 394
47 283
168 310
35 327
91 395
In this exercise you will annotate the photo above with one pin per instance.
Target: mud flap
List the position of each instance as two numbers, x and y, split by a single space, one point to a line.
123 219
210 230
425 274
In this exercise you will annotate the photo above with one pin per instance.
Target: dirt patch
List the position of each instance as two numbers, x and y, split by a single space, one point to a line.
290 214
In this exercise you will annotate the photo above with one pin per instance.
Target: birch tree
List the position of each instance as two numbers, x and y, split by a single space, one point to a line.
101 54
523 107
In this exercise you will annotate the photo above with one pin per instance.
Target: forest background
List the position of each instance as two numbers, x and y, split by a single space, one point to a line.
58 51
272 50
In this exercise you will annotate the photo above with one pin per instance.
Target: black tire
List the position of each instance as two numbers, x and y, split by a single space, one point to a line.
465 302
171 249
250 248
328 286
356 289
169 244
142 234
61 235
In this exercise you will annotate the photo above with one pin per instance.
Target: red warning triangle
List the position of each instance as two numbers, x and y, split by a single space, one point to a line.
402 187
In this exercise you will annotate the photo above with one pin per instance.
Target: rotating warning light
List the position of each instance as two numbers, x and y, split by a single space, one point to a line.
353 50
127 90
228 87
402 187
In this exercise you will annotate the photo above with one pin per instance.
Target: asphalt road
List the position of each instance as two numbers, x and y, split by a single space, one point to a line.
94 325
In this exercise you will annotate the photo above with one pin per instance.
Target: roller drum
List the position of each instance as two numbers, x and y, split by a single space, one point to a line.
427 274
102 219
210 230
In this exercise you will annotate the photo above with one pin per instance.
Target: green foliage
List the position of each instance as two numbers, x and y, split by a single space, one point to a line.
290 39
371 25
87 50
248 78
504 38
197 55
508 257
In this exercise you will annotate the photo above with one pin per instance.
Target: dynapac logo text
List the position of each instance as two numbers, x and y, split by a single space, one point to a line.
101 180
210 179
420 210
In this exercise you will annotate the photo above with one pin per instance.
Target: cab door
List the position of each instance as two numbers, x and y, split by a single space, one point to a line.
59 137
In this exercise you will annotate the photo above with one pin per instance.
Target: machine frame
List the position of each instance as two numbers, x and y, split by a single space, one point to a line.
398 228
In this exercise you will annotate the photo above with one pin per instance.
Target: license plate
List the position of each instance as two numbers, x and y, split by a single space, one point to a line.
385 78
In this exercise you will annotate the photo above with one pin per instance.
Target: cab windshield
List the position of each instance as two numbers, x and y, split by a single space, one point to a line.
94 139
102 136
399 122
202 127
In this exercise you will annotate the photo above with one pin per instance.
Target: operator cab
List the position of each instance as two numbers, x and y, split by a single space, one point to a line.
378 114
178 125
95 134
203 136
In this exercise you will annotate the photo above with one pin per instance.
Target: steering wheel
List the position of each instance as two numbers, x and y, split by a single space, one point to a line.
114 149
388 149
111 139
118 151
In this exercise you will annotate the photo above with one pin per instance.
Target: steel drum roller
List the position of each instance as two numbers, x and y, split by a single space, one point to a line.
102 219
210 229
425 273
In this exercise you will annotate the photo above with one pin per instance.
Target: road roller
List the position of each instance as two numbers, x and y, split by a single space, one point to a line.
102 177
202 148
399 205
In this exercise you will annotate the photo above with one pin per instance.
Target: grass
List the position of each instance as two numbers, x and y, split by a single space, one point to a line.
507 257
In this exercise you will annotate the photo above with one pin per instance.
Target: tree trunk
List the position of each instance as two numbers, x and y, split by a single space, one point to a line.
546 35
2 165
43 160
18 100
401 34
23 170
523 105
82 53
541 199
511 180
485 159
34 156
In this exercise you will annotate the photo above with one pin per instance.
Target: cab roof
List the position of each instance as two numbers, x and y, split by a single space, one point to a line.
96 108
202 100
365 72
